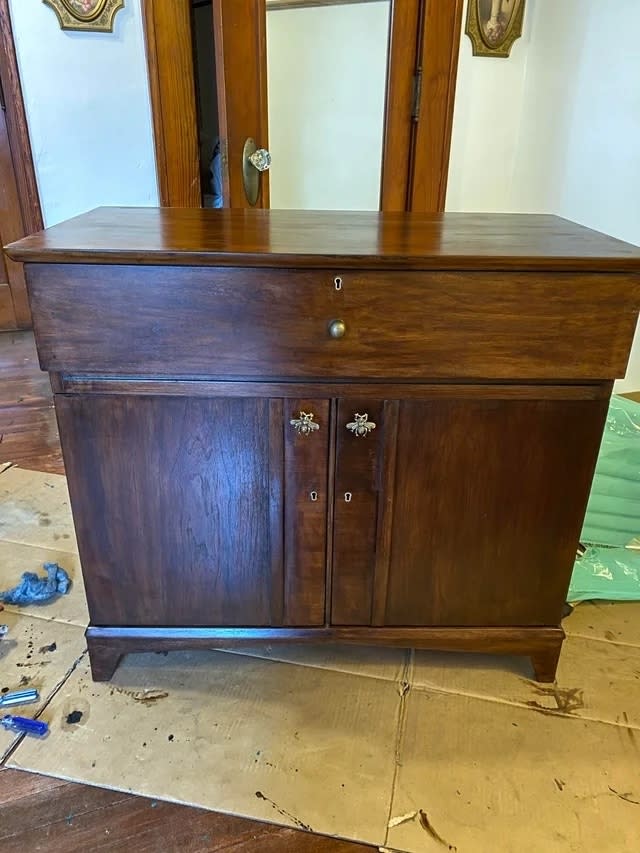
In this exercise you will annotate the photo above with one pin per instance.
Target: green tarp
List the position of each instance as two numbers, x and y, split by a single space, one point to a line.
609 569
610 574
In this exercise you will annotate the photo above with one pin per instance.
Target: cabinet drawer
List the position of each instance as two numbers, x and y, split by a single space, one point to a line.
177 321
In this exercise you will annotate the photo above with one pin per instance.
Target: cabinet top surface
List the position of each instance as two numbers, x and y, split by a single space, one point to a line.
336 240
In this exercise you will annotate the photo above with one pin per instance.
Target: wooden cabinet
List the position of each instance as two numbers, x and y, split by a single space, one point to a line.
347 427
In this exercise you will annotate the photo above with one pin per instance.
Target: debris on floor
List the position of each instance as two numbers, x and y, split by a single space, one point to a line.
25 725
33 589
19 697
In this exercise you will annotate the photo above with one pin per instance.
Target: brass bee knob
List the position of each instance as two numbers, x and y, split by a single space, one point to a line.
305 424
337 328
361 426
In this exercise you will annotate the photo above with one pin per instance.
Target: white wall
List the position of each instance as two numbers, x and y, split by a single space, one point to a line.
326 81
87 102
486 125
579 147
569 142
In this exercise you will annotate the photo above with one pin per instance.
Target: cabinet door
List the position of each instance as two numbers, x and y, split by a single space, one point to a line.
477 506
356 493
179 509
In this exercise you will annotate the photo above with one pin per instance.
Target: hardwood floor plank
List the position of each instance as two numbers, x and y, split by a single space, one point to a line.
28 428
44 809
29 438
15 784
73 817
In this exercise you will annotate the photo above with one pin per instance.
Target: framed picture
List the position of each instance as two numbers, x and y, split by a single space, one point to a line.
88 15
494 25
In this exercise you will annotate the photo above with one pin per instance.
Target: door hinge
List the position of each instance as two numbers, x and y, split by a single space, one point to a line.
417 93
3 105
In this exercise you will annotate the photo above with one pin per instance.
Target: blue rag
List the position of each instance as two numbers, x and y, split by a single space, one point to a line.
33 588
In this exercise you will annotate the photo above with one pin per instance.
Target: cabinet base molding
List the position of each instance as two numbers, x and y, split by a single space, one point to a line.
107 646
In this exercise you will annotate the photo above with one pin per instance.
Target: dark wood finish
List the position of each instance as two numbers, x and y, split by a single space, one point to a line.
276 475
401 325
439 64
240 37
205 465
104 659
388 446
483 348
545 663
172 89
111 644
399 125
357 473
17 128
44 813
328 240
28 430
383 390
503 640
305 513
488 501
331 494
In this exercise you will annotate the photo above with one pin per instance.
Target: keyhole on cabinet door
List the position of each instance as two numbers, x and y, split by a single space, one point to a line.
313 495
347 497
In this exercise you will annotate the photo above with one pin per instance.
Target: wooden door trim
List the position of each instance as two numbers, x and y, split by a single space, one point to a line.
172 88
17 128
441 34
19 179
14 306
424 40
399 124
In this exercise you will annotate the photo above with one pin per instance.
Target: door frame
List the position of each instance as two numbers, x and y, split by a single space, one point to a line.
20 186
424 40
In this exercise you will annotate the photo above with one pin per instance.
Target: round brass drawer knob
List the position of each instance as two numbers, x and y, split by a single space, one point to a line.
337 328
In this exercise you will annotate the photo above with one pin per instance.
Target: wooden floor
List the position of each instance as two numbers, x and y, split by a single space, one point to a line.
28 430
41 813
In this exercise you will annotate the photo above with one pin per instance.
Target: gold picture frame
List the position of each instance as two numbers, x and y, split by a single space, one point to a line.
494 25
86 15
